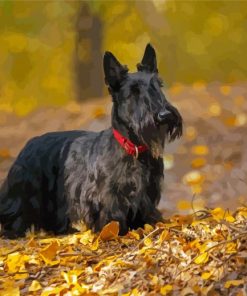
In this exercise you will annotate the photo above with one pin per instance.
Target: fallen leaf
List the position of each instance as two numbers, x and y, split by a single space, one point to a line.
4 153
165 289
164 236
193 178
225 90
198 162
86 238
200 150
110 231
206 275
148 242
16 262
201 259
48 253
220 214
35 286
234 283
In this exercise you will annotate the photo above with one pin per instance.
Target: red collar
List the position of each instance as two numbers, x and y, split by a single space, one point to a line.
128 146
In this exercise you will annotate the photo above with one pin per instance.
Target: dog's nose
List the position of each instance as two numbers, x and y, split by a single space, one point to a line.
163 115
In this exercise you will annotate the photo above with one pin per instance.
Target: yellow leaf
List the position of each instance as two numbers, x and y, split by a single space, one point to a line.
4 153
35 286
21 275
52 291
231 248
95 244
48 253
241 119
201 259
165 289
206 275
230 121
164 235
86 237
134 234
242 212
110 231
200 150
71 276
234 283
215 109
225 89
148 228
193 178
77 289
154 279
148 242
135 292
183 205
198 162
168 160
11 291
220 214
16 262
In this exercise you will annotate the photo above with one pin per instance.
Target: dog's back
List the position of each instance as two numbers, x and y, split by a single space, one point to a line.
29 193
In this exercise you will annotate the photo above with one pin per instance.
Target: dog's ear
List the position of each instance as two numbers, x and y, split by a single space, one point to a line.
148 63
115 73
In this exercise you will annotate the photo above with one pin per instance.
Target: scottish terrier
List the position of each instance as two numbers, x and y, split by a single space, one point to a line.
115 174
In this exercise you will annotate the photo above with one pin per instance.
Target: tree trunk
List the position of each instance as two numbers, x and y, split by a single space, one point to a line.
88 56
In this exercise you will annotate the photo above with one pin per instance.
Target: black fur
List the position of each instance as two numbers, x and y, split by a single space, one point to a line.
61 177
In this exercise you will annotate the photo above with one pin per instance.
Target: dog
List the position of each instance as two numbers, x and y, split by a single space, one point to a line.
97 177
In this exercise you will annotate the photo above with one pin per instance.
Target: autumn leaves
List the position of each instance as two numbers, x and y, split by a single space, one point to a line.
186 253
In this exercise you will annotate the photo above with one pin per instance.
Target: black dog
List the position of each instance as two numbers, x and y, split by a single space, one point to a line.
115 174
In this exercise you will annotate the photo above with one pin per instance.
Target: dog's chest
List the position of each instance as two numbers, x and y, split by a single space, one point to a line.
129 178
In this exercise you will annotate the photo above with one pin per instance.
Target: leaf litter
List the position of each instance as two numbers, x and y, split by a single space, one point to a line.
204 253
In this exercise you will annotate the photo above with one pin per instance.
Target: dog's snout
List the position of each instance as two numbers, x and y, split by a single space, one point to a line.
164 115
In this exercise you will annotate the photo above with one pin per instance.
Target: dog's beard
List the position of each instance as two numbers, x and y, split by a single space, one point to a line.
152 136
155 136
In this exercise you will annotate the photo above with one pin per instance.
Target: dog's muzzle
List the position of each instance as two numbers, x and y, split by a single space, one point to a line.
164 117
172 118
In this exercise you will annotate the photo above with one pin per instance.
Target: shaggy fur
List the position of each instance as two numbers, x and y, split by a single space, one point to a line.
61 177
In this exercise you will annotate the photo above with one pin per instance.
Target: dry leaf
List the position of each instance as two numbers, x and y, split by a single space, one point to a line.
48 253
165 289
200 150
35 286
234 283
201 259
110 231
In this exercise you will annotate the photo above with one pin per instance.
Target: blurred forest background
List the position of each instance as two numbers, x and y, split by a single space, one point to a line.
51 78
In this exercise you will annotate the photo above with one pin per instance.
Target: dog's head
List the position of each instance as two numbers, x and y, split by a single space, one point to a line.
140 108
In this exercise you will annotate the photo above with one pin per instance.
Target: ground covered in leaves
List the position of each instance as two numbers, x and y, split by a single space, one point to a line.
204 253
